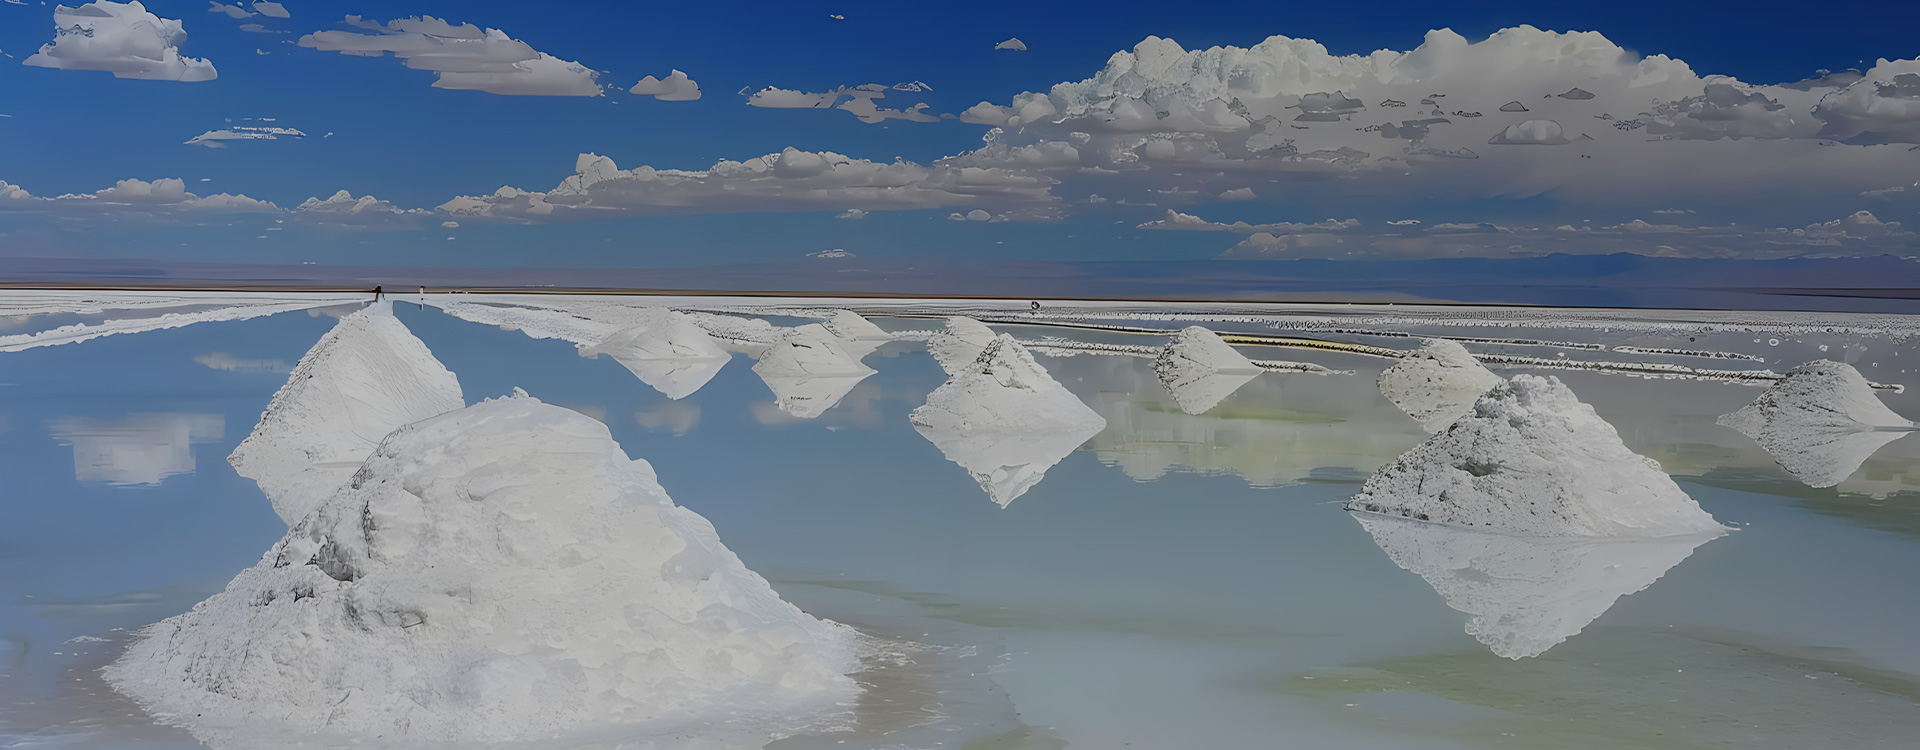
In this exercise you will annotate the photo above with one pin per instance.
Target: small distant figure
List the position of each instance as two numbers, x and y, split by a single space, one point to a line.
376 293
1036 305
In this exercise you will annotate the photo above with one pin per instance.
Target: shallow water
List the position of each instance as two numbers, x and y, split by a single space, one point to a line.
1177 581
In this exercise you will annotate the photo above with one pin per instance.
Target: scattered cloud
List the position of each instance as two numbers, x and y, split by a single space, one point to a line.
463 56
792 180
271 10
858 100
1177 221
852 213
229 363
344 210
219 138
1859 234
120 38
1012 44
832 254
676 88
232 11
1238 194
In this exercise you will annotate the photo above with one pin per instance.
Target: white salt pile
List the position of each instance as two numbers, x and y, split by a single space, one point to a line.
1820 423
1437 384
809 371
857 335
1005 421
960 344
366 377
1532 459
499 573
1199 370
1526 594
673 354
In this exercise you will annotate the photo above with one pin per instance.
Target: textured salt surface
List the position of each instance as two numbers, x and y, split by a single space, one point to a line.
673 354
365 378
1532 459
1199 370
1526 594
857 335
1437 384
499 573
78 332
809 370
960 343
1005 420
1820 423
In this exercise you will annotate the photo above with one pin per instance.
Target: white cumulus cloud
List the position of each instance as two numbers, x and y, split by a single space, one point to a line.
677 87
1012 44
123 39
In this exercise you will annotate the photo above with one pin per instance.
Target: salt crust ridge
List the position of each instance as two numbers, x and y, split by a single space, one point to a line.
1199 370
809 370
1005 420
1820 422
1437 384
674 355
1532 459
363 379
960 343
1526 594
499 573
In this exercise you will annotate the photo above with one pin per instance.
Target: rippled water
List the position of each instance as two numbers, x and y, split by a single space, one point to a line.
1175 581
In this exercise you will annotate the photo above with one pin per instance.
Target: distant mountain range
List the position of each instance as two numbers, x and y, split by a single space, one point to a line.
1885 284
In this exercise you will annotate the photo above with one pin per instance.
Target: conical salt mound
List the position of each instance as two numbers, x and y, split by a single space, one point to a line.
1532 459
1437 384
1199 370
1005 421
366 377
809 371
857 335
1820 423
960 344
500 573
674 355
1526 594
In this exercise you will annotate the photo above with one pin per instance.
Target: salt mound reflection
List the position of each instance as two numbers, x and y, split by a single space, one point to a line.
1005 420
1820 423
1526 594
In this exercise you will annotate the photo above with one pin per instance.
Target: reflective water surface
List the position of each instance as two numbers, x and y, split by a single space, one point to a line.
1061 532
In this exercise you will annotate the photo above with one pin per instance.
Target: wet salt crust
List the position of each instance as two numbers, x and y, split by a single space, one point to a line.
1005 420
500 573
363 379
1532 459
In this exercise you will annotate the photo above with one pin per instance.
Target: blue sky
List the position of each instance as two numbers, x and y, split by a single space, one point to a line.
1802 160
